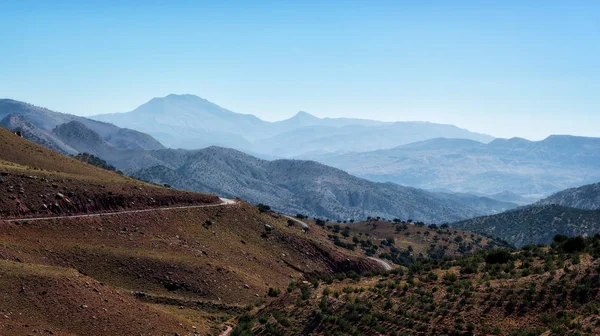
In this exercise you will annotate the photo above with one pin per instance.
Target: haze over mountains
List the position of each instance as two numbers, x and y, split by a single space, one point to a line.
460 173
46 120
417 154
294 186
190 122
516 166
291 186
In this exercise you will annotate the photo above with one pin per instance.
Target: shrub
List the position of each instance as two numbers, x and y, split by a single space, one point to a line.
575 244
263 207
497 257
273 292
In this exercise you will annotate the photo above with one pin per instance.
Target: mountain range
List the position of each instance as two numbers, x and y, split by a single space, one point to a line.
291 186
417 154
87 251
191 122
503 167
295 186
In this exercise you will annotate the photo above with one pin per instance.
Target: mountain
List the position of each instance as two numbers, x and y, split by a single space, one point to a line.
83 139
295 186
29 131
586 197
47 120
188 121
535 224
527 168
290 186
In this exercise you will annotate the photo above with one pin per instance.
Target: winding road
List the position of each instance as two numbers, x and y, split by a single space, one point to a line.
224 202
383 263
386 266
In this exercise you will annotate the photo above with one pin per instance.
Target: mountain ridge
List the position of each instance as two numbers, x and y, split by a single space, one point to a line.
191 122
527 168
46 120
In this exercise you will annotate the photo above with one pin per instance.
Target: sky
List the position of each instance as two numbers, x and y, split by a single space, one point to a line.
505 68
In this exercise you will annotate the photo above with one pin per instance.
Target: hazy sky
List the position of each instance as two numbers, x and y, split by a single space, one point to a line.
507 68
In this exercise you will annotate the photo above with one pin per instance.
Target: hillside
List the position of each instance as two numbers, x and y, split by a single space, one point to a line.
158 261
191 122
586 197
526 168
536 291
30 132
404 243
294 186
46 120
94 161
535 224
36 181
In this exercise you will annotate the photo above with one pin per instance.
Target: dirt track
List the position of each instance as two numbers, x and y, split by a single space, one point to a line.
224 202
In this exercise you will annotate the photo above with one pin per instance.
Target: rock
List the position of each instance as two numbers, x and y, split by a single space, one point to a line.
1 180
246 286
59 196
268 227
84 306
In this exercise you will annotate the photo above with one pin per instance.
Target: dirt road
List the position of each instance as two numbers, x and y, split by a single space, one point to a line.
224 202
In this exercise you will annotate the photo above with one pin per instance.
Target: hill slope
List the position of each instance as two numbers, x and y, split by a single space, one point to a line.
538 291
535 224
586 197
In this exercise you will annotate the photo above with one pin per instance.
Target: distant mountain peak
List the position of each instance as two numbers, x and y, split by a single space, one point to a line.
303 115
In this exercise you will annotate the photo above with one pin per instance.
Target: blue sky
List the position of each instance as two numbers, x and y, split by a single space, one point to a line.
506 68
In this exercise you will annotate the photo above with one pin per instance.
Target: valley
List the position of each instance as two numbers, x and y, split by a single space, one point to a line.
113 251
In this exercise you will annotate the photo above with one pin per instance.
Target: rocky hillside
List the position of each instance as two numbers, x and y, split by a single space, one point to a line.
535 224
294 186
47 120
586 197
